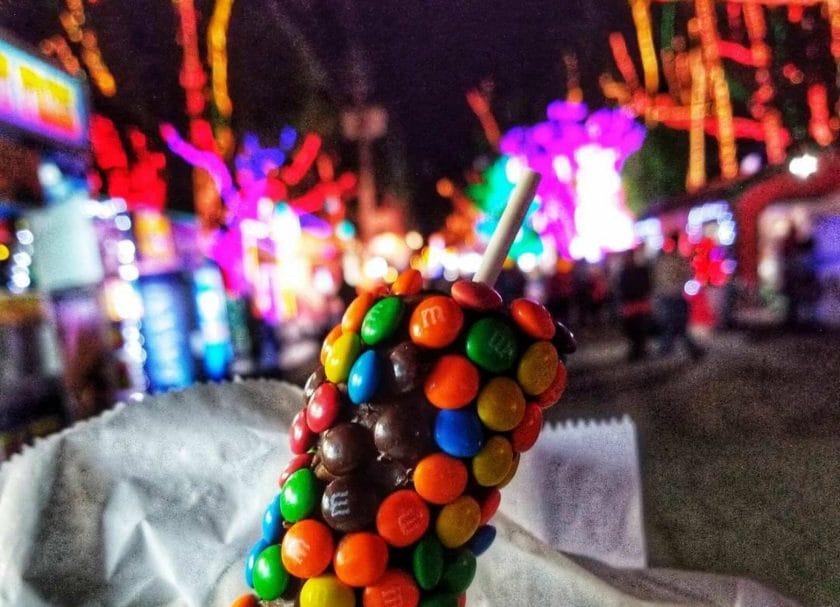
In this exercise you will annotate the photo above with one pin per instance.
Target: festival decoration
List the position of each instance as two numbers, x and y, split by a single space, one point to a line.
703 67
580 204
141 182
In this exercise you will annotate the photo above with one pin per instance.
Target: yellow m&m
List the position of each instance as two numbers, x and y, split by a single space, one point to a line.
341 356
326 591
501 404
457 522
537 367
491 465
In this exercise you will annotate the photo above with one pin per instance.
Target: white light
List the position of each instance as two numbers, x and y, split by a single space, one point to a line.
469 263
21 280
803 166
129 273
751 164
323 281
562 168
125 251
22 259
692 288
376 268
25 237
123 223
527 262
414 240
49 174
514 169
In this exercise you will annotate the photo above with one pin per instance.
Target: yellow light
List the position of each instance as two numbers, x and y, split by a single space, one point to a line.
217 52
4 252
391 275
644 33
696 175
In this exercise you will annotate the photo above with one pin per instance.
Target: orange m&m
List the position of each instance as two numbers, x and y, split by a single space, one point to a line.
532 318
360 559
403 518
307 548
246 600
408 282
436 322
439 478
452 383
394 589
355 313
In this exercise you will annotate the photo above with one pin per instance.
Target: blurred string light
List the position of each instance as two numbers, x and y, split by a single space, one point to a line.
141 182
707 22
696 175
479 102
574 92
76 27
217 53
819 125
192 76
56 46
640 10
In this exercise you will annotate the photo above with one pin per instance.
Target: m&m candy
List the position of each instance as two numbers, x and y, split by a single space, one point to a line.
360 559
326 591
382 320
269 575
436 322
395 588
307 548
415 419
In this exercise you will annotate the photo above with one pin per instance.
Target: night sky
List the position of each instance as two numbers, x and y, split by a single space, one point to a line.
418 59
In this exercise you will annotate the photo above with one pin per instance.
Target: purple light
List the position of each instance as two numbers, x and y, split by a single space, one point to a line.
580 156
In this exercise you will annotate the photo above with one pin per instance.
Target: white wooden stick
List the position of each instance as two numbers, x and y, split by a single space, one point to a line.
507 228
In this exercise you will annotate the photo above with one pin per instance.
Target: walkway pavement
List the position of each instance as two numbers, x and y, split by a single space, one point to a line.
740 453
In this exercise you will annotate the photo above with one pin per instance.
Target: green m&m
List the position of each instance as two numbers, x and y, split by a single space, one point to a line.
427 562
299 495
381 320
459 572
270 577
491 344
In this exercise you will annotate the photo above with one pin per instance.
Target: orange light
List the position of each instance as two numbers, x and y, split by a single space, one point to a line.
623 60
696 176
819 126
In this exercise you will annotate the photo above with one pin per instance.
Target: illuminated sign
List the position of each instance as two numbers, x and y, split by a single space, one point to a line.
41 99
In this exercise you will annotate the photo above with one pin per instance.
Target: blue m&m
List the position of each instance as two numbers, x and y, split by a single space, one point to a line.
458 432
364 377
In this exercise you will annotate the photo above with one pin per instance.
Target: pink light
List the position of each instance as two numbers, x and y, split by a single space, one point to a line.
580 156
209 161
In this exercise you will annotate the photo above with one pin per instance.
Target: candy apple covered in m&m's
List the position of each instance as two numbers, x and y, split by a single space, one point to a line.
415 419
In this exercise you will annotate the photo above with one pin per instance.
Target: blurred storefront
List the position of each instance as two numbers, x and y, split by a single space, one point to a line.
43 123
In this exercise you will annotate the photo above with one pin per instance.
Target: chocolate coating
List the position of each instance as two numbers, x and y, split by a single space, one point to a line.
404 370
366 415
317 378
348 504
346 447
388 475
564 340
404 433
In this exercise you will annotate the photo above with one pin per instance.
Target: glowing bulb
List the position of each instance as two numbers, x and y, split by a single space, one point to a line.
414 240
803 166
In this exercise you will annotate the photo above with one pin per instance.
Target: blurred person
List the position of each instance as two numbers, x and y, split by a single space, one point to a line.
634 292
670 273
559 290
800 285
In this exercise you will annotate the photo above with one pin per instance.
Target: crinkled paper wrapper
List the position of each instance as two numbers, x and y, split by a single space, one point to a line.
157 503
